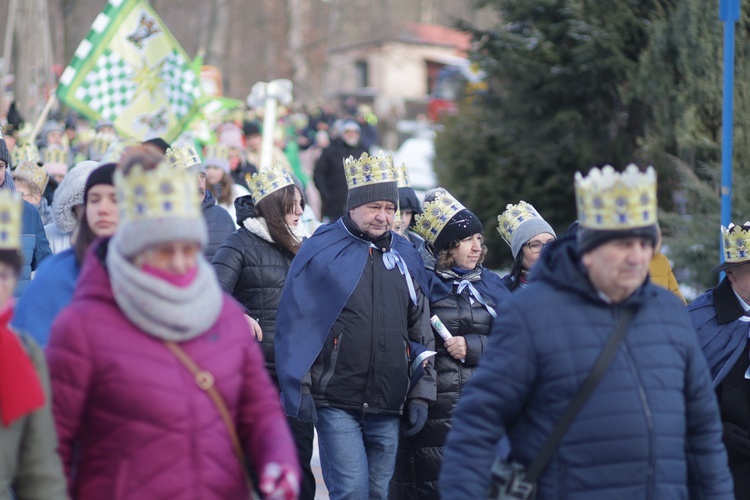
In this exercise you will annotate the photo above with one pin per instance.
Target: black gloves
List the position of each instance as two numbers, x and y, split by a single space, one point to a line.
417 416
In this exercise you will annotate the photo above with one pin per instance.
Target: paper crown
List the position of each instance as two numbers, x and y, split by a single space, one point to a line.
55 156
100 144
610 200
217 152
436 214
10 220
161 192
735 243
24 152
513 217
183 156
368 169
269 180
33 172
402 176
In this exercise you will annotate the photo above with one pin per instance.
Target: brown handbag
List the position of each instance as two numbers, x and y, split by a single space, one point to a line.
205 381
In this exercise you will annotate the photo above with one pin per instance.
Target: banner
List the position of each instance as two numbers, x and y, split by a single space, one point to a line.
132 71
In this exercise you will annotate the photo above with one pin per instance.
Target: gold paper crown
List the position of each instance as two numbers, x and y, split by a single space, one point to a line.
182 157
217 151
369 170
609 200
269 180
10 220
55 155
100 143
24 152
402 176
161 192
513 217
735 243
436 214
34 173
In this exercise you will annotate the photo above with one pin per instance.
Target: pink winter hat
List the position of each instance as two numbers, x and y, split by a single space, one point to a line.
231 135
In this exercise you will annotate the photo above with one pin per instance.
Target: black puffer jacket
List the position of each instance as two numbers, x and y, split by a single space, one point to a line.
253 270
218 222
420 457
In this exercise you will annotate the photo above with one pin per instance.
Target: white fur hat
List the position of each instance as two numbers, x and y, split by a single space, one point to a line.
69 194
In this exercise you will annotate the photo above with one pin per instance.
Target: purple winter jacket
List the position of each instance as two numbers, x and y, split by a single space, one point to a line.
145 429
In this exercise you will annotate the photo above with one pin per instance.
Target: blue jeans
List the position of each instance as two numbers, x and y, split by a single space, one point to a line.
357 452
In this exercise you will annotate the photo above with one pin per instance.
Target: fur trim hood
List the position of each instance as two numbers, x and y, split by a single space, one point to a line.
69 194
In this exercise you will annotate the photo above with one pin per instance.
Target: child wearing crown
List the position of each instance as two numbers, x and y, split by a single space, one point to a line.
153 374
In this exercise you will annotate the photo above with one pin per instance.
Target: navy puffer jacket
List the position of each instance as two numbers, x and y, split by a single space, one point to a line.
651 428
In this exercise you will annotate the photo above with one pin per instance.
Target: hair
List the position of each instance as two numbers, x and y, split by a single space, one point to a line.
223 190
516 271
146 156
83 239
273 208
22 180
13 258
444 259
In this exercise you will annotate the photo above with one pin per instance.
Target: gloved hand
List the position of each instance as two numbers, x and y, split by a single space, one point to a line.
737 441
279 482
417 416
307 411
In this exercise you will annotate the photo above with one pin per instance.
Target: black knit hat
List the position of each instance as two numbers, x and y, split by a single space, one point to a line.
4 153
407 200
102 174
588 239
250 128
462 225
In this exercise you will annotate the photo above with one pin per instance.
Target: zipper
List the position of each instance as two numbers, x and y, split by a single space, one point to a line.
326 378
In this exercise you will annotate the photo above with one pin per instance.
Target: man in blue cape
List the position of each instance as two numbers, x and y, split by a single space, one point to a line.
353 301
722 319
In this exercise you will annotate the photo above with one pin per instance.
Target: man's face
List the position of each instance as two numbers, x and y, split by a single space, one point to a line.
374 218
739 277
619 267
351 136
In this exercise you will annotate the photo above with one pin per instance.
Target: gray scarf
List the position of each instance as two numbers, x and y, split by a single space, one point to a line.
159 308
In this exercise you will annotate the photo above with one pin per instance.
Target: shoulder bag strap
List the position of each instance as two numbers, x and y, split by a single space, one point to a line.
205 382
588 386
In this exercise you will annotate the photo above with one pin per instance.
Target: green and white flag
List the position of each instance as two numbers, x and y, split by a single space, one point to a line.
131 70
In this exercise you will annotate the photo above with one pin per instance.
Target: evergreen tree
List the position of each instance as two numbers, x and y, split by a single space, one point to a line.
556 104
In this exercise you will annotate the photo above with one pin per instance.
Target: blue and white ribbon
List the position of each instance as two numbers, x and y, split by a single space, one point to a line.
391 259
475 294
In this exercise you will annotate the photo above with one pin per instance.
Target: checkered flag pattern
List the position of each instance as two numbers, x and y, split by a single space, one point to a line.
180 84
108 89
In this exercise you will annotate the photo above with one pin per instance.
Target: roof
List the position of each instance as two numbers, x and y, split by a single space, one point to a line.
434 34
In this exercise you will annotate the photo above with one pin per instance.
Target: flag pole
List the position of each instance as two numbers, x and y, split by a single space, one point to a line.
43 117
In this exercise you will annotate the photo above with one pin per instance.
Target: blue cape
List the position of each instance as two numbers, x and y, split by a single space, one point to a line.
321 279
721 332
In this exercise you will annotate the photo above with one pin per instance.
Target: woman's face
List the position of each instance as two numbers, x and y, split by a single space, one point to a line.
532 249
174 257
8 279
101 210
292 217
466 255
214 174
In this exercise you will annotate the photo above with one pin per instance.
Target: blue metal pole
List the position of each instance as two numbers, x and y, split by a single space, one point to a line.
729 14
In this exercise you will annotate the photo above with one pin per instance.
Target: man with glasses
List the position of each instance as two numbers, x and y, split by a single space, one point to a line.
329 175
650 428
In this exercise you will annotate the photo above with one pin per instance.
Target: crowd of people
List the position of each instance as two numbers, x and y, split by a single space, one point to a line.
187 320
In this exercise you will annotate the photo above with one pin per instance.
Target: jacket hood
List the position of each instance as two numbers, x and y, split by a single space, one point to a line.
69 194
245 208
208 200
560 265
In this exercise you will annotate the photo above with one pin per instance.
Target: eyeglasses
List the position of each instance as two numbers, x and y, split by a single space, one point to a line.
536 246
